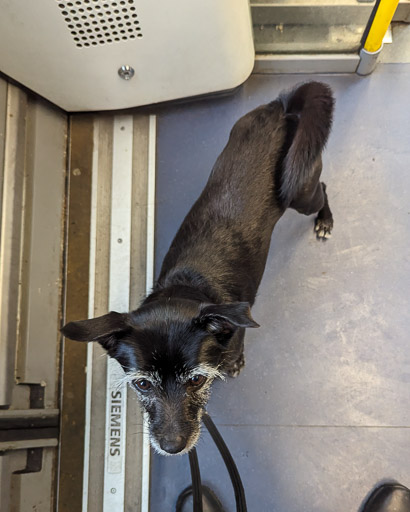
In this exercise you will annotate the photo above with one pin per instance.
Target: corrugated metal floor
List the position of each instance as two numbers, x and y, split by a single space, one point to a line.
321 412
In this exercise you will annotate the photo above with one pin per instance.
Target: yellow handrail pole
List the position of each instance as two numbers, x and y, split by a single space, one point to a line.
381 22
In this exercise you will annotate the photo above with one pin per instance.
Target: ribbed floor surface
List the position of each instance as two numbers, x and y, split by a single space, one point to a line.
321 412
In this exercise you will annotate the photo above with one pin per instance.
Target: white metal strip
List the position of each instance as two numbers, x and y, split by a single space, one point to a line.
305 63
120 263
152 136
91 293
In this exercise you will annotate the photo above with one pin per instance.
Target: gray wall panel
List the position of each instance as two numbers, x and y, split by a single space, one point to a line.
12 218
32 196
42 258
3 113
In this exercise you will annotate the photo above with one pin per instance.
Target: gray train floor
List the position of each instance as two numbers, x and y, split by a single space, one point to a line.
321 412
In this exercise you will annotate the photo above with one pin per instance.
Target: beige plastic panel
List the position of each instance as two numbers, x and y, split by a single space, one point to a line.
11 236
32 189
31 245
29 491
187 48
39 338
10 462
3 109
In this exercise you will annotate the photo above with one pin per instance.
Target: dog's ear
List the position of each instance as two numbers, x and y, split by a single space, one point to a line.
225 318
106 329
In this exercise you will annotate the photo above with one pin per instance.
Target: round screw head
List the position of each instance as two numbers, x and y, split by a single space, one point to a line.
126 72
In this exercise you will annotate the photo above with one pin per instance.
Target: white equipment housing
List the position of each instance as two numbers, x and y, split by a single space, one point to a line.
70 52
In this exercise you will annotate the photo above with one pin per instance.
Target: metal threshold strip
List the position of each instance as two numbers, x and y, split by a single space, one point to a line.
116 461
122 296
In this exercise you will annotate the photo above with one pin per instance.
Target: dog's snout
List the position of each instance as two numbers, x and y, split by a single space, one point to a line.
174 444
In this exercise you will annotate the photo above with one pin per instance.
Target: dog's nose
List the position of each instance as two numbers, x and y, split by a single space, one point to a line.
173 444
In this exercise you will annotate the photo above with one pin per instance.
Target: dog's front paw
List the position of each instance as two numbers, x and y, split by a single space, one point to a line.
235 369
323 228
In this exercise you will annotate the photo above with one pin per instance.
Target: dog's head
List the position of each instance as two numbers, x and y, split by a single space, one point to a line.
171 350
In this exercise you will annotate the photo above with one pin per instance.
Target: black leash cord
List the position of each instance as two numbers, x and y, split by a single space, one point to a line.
229 463
197 489
196 480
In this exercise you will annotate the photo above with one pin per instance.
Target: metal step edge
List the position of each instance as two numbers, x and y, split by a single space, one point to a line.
321 12
305 63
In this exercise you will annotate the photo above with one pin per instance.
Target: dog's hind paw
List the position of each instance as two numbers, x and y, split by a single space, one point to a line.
323 228
235 369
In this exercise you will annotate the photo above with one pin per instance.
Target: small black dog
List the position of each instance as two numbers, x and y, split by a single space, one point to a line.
190 329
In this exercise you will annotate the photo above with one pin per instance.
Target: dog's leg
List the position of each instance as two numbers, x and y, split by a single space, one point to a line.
313 199
324 219
236 361
308 203
234 369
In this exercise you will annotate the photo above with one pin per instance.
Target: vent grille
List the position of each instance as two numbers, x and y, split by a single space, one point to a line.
99 22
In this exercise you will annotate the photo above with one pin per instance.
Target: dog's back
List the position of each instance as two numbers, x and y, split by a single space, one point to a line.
271 161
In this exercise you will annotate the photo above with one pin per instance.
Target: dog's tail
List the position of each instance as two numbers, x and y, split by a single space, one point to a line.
308 110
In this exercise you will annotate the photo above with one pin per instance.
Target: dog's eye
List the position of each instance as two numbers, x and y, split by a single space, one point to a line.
197 380
142 384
